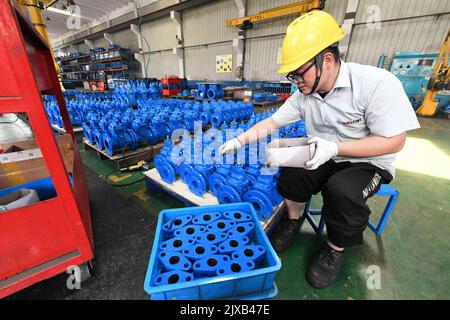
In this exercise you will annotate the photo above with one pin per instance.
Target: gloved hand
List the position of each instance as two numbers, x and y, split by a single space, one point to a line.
230 146
325 150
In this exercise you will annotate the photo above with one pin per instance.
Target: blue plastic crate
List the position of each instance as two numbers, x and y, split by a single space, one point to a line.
255 284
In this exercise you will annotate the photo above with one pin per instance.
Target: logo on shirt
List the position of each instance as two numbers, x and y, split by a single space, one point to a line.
351 122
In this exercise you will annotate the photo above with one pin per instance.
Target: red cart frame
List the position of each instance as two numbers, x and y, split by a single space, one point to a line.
41 240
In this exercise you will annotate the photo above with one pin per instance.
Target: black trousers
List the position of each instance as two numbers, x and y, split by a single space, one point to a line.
345 188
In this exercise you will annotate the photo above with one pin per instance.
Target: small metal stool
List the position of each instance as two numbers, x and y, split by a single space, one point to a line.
385 191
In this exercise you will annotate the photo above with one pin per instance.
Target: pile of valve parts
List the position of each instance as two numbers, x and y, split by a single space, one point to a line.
232 178
111 123
211 244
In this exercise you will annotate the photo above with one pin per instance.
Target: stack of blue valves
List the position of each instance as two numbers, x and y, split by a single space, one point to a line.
205 245
135 90
244 178
109 123
54 116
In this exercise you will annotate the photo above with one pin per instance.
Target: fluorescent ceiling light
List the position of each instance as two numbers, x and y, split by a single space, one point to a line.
66 13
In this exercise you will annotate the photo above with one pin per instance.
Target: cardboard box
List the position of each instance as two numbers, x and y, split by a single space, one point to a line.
22 161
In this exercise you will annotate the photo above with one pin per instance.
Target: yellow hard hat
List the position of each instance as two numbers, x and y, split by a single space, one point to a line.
306 37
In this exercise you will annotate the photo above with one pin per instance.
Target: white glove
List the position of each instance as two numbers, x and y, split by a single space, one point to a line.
325 150
230 146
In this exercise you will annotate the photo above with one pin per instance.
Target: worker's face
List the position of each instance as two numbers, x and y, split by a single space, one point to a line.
305 76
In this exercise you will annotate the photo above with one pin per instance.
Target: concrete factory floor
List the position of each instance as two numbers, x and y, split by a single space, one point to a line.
412 254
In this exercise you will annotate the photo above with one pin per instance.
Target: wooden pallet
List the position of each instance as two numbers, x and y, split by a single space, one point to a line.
266 104
129 158
181 191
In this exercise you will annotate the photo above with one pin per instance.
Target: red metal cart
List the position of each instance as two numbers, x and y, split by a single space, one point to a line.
44 239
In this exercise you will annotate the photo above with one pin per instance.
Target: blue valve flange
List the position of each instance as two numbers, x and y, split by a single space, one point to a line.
220 225
173 277
192 230
235 266
237 215
228 195
261 203
167 172
232 244
252 252
242 229
206 218
185 172
174 261
216 182
177 223
177 244
208 266
211 238
199 251
197 183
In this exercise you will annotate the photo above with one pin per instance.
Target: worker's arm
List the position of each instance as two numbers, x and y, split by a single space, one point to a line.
372 146
259 131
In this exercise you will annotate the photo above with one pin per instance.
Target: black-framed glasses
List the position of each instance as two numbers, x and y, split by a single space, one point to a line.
298 77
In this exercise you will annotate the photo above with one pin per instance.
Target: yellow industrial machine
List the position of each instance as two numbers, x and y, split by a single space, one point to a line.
298 7
35 10
439 80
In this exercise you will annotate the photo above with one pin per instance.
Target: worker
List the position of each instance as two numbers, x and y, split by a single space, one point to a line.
356 115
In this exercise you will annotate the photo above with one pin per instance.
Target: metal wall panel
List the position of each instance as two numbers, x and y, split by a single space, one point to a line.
399 8
424 34
266 38
162 64
201 62
160 34
207 24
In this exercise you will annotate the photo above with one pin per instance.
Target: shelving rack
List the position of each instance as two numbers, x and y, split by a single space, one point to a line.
93 67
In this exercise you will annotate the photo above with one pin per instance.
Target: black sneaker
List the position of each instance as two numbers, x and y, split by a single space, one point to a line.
325 267
282 237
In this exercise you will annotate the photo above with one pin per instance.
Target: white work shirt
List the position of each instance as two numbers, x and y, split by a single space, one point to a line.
365 101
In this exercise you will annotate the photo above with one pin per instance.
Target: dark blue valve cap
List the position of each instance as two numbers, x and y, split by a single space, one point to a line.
208 266
211 237
221 225
232 244
199 251
173 277
177 243
237 216
174 261
234 266
206 218
177 223
253 252
191 230
242 229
